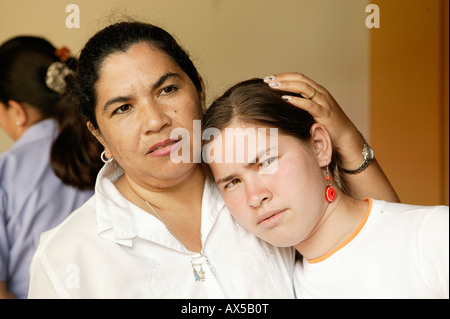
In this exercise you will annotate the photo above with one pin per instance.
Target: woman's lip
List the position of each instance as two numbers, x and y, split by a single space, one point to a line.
163 148
270 218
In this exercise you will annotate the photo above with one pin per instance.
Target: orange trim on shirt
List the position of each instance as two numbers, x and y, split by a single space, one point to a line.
349 239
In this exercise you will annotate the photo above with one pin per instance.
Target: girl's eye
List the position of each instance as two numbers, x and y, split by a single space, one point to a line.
122 109
169 90
232 183
269 161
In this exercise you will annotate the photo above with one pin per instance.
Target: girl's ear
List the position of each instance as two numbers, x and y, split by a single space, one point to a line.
322 145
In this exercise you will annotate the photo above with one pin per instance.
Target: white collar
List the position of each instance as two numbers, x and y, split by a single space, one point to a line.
120 221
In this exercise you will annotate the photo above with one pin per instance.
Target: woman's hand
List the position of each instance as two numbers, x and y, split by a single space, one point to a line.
325 110
346 139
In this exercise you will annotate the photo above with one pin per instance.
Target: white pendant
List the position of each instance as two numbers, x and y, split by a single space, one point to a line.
197 263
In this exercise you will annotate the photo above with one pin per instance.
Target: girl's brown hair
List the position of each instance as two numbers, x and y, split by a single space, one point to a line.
255 102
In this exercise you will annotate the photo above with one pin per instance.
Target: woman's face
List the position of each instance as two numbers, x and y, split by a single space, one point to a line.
279 198
6 123
142 95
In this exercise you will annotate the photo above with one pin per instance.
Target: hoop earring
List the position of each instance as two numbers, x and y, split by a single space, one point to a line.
105 159
330 192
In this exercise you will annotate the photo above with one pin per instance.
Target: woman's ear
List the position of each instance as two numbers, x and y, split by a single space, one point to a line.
98 135
202 93
18 112
96 132
16 119
322 145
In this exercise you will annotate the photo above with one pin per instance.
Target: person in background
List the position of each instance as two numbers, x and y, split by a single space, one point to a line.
50 169
290 196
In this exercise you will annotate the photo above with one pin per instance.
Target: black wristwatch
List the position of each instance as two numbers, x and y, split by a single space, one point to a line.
368 158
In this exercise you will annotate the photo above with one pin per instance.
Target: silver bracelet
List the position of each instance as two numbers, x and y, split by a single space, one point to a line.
368 158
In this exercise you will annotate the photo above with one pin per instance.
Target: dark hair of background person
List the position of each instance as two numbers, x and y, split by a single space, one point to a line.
254 102
119 37
24 60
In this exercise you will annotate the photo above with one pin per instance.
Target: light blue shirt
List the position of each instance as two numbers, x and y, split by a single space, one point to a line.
32 200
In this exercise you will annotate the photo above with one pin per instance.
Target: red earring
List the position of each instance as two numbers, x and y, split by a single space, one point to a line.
330 192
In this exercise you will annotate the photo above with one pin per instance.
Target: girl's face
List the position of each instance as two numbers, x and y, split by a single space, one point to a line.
278 198
142 95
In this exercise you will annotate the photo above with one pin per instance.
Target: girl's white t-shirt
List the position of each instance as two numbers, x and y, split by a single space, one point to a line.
398 251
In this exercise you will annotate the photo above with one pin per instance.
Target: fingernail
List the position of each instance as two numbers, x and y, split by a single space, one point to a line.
269 78
286 97
274 84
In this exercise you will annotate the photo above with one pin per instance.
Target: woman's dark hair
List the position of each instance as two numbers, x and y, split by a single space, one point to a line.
255 102
24 61
75 153
120 37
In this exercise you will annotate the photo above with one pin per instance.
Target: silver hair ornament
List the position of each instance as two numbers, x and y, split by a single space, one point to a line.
56 75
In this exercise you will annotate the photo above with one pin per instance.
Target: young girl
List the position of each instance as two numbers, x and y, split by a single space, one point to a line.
285 191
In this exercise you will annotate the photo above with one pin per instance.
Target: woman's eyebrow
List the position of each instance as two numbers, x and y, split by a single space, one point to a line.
157 84
118 99
164 78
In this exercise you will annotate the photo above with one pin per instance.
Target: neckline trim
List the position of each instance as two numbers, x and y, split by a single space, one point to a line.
349 239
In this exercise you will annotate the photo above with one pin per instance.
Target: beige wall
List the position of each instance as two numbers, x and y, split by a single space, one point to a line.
232 40
229 40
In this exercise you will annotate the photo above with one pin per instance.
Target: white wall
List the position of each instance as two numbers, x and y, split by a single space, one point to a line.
229 40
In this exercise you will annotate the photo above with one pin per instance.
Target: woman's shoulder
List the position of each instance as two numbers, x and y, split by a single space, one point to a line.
21 157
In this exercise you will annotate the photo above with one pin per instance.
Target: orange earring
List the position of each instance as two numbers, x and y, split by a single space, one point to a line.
330 192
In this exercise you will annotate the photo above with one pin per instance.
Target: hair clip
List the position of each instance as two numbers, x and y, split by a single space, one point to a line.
56 77
63 54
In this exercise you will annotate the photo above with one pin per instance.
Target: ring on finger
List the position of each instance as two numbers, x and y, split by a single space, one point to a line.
313 94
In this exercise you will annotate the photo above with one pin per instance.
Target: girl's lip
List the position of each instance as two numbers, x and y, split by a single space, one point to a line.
270 218
163 148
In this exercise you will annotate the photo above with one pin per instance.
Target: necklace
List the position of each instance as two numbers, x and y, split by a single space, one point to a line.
196 261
